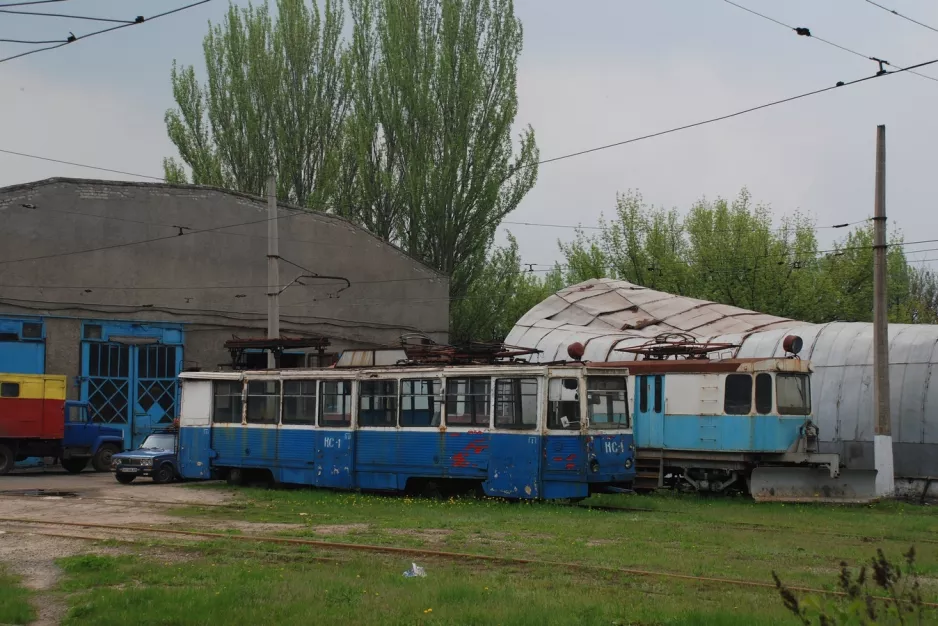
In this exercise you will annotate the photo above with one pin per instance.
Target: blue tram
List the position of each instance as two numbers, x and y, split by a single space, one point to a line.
517 431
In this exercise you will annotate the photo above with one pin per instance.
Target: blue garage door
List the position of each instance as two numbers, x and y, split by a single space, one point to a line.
22 346
129 376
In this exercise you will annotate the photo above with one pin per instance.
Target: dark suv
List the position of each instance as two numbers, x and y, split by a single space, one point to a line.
156 457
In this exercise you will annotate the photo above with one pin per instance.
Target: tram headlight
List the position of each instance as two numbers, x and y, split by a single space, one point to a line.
628 464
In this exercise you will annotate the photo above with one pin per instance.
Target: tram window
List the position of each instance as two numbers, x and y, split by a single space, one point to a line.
563 401
737 399
659 392
606 402
763 394
467 401
336 407
420 405
377 403
516 403
299 402
643 394
263 401
794 394
226 408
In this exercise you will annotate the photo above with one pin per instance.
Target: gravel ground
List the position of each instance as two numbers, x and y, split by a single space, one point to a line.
90 497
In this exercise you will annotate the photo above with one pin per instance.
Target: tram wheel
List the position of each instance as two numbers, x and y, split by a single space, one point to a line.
235 477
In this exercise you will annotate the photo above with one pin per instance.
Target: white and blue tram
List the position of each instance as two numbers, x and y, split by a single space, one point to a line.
516 430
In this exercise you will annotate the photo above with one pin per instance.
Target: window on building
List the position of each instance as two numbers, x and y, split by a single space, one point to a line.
516 403
605 400
335 409
737 398
227 402
263 402
467 401
299 402
793 394
377 403
563 404
763 394
420 404
9 390
659 394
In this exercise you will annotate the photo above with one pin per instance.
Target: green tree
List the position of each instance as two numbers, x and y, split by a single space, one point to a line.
501 294
733 253
434 100
275 101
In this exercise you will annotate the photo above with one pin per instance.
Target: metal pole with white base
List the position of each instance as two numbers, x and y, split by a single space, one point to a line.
882 437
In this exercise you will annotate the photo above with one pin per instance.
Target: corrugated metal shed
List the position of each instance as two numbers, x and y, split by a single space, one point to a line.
608 314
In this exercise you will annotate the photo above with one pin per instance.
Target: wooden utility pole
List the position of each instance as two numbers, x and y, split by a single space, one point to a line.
882 437
273 270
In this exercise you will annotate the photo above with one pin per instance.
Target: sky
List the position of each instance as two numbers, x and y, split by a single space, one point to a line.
592 72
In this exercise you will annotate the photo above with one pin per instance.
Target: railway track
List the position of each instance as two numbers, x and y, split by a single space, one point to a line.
411 552
604 508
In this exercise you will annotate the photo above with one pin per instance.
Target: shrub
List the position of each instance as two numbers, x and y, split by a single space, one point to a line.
881 594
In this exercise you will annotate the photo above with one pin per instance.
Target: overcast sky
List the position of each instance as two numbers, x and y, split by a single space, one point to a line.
592 72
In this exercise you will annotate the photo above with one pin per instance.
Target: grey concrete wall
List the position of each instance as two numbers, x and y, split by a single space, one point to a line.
63 351
213 282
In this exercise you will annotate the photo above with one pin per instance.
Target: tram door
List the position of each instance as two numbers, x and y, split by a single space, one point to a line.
335 454
649 411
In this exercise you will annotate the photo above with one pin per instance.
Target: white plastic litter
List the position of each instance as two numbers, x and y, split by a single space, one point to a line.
415 571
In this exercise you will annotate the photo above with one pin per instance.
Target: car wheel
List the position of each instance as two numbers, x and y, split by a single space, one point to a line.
7 460
102 458
75 465
164 474
124 479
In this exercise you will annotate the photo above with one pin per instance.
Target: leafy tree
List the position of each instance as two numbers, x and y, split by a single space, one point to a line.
405 128
275 101
732 252
500 296
434 99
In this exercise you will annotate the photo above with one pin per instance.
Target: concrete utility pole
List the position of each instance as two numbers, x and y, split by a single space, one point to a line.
273 270
882 438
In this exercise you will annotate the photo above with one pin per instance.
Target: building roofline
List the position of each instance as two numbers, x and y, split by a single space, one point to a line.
163 185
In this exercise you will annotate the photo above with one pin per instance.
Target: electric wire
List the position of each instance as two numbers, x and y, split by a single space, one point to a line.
29 2
89 167
71 17
806 32
736 114
905 17
73 39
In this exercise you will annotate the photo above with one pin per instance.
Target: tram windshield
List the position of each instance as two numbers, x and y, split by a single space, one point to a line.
793 393
606 402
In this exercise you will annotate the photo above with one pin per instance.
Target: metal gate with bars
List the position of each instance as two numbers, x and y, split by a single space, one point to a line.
129 380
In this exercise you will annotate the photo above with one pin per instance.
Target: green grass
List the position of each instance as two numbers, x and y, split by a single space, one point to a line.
225 587
14 601
234 582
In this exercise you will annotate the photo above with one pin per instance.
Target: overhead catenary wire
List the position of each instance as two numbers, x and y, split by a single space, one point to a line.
712 120
83 165
905 17
806 32
28 3
135 22
71 17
